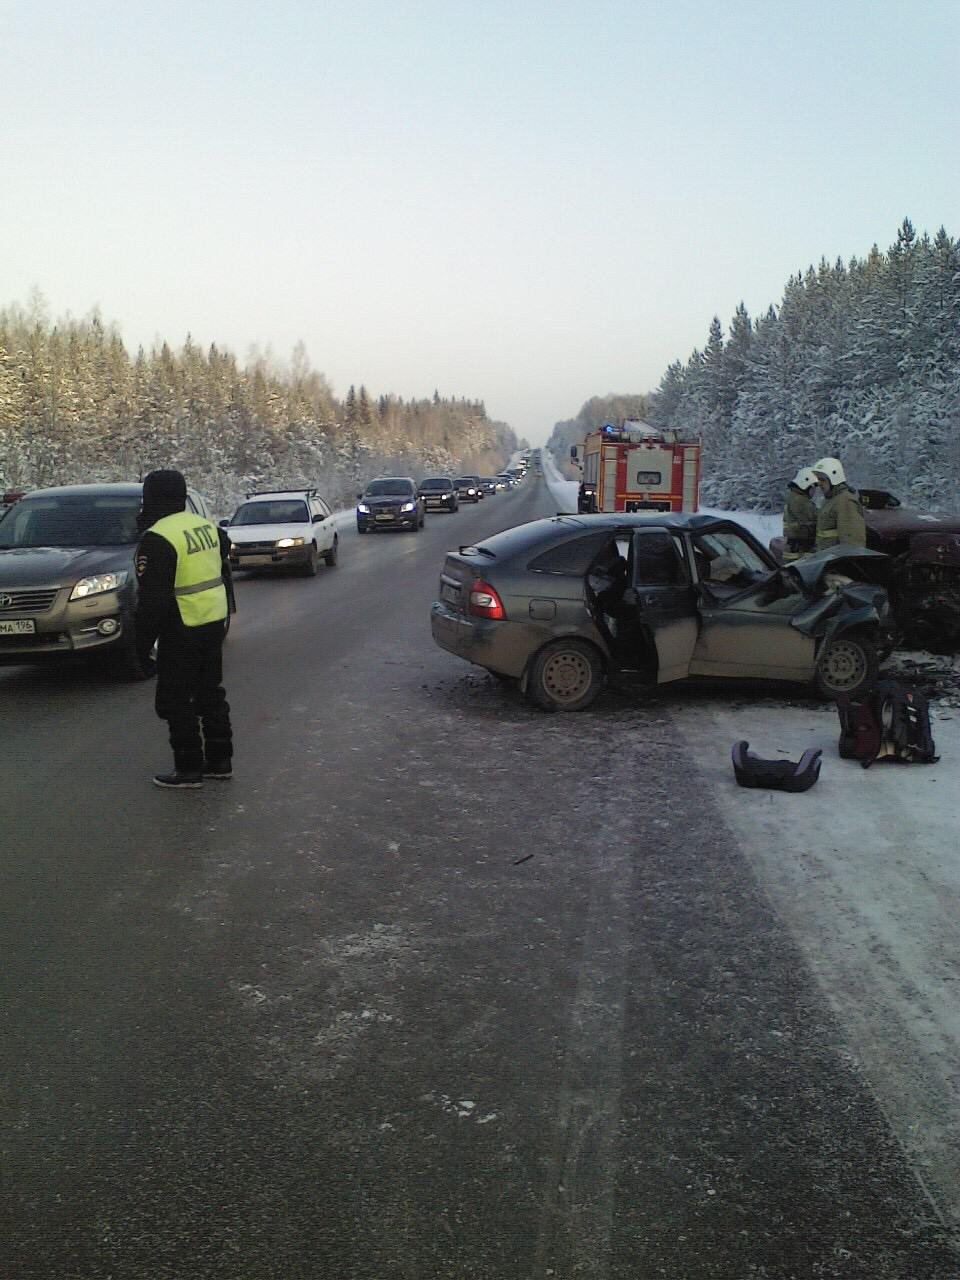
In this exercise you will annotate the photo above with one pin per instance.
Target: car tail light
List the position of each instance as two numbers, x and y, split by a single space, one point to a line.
484 601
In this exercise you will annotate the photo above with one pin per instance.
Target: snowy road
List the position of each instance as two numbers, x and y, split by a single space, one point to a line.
441 986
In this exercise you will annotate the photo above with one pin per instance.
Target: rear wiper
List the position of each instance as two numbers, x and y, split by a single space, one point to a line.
480 551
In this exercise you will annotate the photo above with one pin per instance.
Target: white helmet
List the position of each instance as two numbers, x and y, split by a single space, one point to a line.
805 479
832 468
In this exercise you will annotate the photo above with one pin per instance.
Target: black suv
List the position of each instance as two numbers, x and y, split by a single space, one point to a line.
68 587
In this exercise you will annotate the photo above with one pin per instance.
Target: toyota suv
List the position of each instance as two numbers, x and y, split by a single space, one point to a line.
282 529
67 582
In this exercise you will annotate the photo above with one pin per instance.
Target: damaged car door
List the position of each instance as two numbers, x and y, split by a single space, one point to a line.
745 614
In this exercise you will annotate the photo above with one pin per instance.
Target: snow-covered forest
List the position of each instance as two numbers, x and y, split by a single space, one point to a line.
860 360
76 405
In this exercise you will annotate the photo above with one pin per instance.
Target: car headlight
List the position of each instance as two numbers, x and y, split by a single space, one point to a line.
234 549
363 508
290 542
409 506
98 583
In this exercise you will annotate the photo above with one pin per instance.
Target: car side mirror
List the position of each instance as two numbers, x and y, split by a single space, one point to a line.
359 496
224 524
318 517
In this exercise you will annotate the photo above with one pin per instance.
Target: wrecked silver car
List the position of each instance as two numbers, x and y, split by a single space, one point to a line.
560 605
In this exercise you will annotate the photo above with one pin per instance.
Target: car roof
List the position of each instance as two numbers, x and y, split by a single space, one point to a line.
279 493
522 537
377 479
131 489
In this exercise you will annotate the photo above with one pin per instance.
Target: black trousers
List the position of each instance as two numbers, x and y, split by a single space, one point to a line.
191 697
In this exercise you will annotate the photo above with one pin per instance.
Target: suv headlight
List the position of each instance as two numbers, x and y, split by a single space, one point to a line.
290 542
363 508
98 583
409 506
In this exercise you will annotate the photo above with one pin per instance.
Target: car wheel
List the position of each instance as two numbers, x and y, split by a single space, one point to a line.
331 556
566 675
847 666
310 568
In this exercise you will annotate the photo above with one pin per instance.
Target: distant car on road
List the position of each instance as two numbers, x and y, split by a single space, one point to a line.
468 488
68 586
505 481
489 486
439 493
282 529
561 604
390 502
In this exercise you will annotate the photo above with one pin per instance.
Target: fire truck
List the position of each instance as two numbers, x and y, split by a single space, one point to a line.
634 467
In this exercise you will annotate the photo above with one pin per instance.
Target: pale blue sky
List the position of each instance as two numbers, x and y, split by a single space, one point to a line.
527 202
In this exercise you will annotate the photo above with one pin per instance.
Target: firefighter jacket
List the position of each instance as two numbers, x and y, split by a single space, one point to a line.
840 520
799 521
183 575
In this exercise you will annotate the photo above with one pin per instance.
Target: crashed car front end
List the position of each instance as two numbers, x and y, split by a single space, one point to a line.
846 588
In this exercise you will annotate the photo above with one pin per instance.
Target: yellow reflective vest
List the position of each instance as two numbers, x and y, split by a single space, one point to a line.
198 587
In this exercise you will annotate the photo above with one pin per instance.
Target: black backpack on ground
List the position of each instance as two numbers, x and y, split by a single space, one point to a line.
891 723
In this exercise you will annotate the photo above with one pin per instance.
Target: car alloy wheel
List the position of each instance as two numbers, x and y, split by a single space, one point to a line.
847 666
566 675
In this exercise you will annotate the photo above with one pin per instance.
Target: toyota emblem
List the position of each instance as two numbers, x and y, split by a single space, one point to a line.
5 600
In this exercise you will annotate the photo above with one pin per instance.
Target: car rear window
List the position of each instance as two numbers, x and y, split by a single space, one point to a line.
573 556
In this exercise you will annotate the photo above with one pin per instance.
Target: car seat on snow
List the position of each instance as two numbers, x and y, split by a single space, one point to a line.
775 775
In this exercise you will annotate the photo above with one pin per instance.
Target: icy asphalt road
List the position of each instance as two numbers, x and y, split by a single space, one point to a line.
326 1022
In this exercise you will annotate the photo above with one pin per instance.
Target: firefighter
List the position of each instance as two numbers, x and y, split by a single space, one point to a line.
183 573
800 515
840 520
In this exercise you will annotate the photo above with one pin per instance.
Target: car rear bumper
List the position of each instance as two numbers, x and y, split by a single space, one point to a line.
498 645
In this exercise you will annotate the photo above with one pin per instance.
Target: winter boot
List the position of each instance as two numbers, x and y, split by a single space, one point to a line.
178 780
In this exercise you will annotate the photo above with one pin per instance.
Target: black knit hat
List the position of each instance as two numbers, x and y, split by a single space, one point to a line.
164 492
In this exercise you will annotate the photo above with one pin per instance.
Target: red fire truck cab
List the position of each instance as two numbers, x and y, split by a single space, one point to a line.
635 467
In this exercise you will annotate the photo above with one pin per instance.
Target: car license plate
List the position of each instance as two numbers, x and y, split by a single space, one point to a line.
450 593
384 518
18 627
255 560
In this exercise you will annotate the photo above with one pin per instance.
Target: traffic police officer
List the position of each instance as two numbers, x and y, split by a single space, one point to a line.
183 573
800 515
840 520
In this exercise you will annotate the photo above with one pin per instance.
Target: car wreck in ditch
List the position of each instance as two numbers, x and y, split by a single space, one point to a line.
560 605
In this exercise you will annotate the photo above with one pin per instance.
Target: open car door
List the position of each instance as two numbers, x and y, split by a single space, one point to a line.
659 613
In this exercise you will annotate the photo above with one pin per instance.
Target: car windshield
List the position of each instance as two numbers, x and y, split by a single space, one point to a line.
74 520
731 553
386 488
468 480
276 511
435 484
